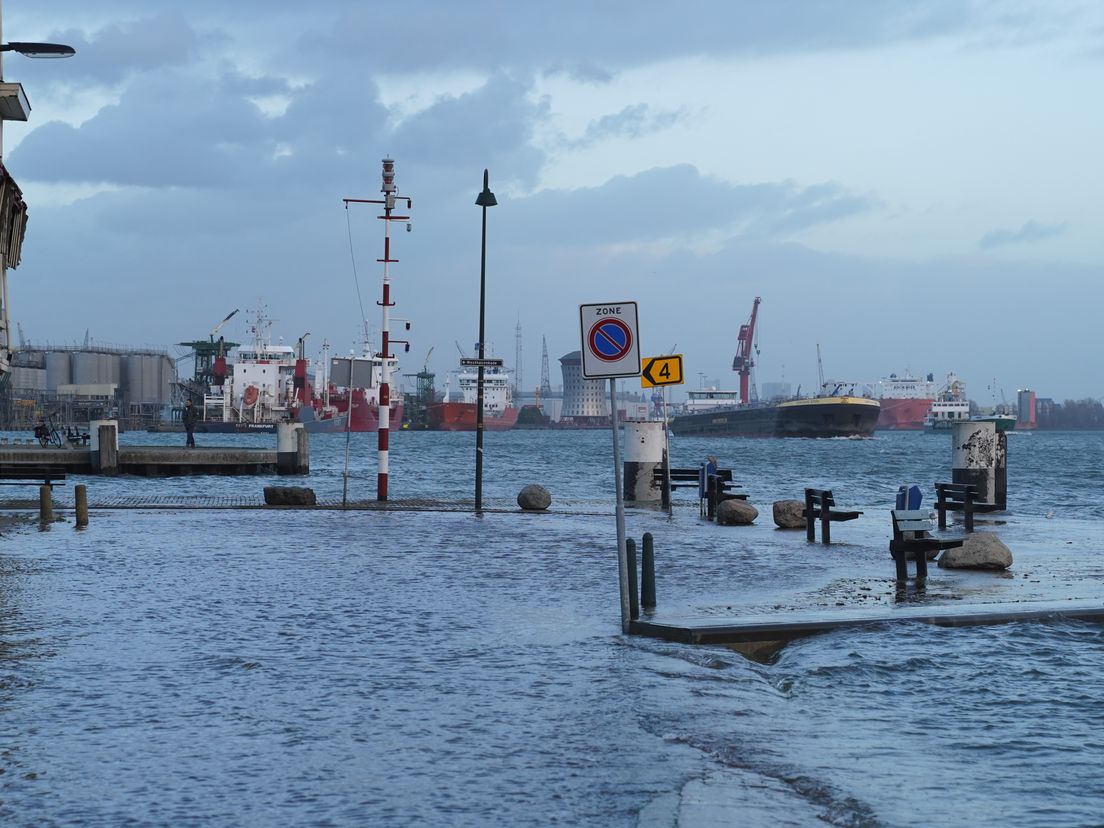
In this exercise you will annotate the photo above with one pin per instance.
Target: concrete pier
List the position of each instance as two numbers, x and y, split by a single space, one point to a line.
979 455
644 446
104 456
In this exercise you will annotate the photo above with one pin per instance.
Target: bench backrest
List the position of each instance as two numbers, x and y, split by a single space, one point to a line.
956 491
820 497
909 520
32 473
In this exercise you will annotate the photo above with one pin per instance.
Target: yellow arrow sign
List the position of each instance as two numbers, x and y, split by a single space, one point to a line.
661 370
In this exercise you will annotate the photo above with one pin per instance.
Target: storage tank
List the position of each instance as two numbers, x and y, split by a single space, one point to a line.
134 388
114 369
85 368
167 378
57 370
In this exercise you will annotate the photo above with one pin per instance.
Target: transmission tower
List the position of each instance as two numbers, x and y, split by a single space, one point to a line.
518 384
546 384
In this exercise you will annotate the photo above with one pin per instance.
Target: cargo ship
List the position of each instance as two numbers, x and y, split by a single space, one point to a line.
735 414
499 413
722 414
905 401
949 407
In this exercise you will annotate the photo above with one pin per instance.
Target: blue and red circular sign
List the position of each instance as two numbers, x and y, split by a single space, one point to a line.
610 340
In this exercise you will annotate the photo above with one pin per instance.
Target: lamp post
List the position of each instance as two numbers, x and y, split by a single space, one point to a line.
485 199
15 107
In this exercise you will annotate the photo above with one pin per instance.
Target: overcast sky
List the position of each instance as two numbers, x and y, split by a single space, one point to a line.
912 185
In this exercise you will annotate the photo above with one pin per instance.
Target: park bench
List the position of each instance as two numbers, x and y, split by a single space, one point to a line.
911 534
819 504
960 497
713 485
30 475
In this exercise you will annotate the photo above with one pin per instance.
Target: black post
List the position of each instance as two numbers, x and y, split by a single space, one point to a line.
485 199
647 573
810 517
968 509
634 599
941 507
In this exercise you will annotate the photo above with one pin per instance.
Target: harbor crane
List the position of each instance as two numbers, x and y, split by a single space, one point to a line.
219 326
743 362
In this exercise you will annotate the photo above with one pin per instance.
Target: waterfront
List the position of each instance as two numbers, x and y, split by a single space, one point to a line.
192 666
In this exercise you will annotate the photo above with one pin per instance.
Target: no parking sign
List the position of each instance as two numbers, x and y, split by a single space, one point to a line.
611 342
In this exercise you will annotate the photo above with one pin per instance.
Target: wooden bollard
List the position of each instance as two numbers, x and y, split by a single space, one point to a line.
80 493
634 596
647 573
45 503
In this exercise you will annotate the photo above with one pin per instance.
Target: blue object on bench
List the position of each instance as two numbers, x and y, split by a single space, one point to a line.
909 497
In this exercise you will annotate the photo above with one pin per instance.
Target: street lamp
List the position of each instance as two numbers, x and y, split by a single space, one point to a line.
39 50
15 107
485 199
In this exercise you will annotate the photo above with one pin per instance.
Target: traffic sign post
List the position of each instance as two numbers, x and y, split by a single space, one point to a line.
611 342
661 370
611 349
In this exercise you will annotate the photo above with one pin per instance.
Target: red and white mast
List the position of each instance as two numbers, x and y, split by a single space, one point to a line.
389 200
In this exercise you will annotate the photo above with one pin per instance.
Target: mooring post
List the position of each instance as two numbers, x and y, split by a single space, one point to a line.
634 596
80 494
45 503
104 448
302 449
647 573
643 455
974 450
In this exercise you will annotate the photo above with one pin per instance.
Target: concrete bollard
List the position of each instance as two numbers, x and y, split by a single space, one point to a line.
647 574
979 456
302 450
45 503
104 446
292 451
634 596
643 455
80 495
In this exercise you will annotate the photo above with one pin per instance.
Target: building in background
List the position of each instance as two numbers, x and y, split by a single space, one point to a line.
78 384
1026 416
585 401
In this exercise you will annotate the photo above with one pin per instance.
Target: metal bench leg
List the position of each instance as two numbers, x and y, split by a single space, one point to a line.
902 566
941 508
810 519
968 511
825 524
921 564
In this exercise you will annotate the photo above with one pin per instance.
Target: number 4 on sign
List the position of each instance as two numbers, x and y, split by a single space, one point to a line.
661 370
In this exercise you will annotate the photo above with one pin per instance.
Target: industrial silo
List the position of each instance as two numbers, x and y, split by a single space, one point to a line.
85 368
113 369
135 389
57 370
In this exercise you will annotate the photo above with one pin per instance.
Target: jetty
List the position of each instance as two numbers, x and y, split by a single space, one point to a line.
105 456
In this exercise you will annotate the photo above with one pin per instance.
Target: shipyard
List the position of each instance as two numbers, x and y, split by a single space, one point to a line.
530 415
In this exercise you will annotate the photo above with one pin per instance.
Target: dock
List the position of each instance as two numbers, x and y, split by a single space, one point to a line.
151 461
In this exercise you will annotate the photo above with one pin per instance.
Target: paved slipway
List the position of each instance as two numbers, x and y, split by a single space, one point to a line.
178 664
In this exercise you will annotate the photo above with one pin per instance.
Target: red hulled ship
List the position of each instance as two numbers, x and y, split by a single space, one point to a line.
499 413
905 401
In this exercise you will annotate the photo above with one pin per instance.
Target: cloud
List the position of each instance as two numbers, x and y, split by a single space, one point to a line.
1030 231
109 54
633 121
677 203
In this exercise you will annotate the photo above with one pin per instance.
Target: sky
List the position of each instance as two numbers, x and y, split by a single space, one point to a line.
912 186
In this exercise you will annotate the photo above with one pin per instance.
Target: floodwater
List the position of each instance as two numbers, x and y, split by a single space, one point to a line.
183 666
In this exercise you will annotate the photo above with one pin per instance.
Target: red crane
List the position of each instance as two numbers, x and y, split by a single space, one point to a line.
743 362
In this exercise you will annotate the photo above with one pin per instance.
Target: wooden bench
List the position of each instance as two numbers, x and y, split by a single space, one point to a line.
29 475
819 504
960 497
713 487
911 533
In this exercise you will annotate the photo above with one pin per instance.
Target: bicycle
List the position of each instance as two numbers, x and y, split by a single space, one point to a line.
47 433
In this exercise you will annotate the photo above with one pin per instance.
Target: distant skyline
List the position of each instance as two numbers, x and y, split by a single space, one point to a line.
912 186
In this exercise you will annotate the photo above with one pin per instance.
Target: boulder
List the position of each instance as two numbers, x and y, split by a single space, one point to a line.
534 498
289 496
982 550
789 514
736 513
